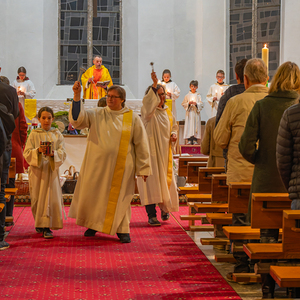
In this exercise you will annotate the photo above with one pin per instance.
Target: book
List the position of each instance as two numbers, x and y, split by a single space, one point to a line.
99 83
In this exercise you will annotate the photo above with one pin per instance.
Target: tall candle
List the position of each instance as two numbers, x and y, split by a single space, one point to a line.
265 55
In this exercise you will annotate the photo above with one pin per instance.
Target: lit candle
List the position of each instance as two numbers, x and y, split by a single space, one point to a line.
265 55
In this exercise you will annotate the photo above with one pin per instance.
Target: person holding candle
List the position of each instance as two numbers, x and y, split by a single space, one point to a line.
161 127
193 105
216 91
24 86
171 88
44 183
94 74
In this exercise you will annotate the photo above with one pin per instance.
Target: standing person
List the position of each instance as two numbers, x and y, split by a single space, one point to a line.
18 140
44 185
209 147
193 105
171 88
228 133
161 128
258 142
216 91
117 149
9 104
94 74
24 86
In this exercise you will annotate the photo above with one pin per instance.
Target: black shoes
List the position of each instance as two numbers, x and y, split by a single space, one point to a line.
124 237
165 216
153 222
47 233
90 232
39 229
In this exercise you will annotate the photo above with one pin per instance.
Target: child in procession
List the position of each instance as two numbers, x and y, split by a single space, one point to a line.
45 153
193 105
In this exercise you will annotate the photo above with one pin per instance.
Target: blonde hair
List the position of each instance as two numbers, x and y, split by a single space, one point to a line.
287 78
256 70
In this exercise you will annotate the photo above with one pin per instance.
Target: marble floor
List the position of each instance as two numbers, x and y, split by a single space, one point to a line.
247 292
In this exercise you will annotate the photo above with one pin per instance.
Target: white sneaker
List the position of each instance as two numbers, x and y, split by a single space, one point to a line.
189 143
196 143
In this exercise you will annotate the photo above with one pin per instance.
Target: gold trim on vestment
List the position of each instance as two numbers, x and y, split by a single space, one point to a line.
170 160
118 173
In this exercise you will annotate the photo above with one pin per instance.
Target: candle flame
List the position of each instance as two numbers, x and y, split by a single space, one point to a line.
265 46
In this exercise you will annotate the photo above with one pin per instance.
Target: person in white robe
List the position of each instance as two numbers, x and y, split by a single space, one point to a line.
216 91
161 127
171 88
193 105
44 183
117 150
24 86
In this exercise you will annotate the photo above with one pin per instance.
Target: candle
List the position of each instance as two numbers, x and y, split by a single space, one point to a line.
265 55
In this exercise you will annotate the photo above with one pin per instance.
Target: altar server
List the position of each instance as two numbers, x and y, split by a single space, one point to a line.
44 183
160 188
117 150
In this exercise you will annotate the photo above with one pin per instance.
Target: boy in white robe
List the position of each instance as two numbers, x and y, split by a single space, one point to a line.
161 127
216 91
117 150
193 105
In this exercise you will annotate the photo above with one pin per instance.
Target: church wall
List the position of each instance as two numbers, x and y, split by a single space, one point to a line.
188 39
29 38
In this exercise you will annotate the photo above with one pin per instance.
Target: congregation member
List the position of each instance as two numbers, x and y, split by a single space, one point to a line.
24 86
287 150
209 147
18 140
95 80
216 91
228 133
9 104
171 88
45 153
161 127
193 105
117 150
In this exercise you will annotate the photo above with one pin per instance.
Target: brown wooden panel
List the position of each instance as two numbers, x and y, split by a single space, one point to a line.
183 161
192 171
288 276
239 193
205 178
291 237
219 188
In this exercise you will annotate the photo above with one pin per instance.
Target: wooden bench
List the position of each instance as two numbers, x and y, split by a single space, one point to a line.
239 193
288 276
183 163
188 190
192 171
219 188
205 178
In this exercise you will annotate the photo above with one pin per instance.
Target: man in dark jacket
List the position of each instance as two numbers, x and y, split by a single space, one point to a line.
288 153
9 98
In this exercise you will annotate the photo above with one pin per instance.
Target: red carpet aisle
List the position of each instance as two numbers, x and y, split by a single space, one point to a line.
160 263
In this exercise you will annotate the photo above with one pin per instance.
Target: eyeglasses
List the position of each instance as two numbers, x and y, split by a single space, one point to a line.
220 76
112 97
162 94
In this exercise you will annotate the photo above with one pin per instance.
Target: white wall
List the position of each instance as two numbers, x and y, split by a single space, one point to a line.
28 38
187 37
290 31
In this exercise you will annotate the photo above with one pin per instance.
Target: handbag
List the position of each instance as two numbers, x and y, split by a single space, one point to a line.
71 180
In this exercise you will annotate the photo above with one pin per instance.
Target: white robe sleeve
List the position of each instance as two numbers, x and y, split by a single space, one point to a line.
174 126
30 90
31 152
185 102
150 102
199 102
176 92
59 153
84 117
209 97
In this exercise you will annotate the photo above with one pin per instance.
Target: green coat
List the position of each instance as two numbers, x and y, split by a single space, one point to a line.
258 142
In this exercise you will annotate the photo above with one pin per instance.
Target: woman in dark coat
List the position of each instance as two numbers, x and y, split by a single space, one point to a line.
258 142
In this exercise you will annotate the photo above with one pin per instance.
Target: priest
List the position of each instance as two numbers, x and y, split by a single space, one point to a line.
96 80
117 150
161 128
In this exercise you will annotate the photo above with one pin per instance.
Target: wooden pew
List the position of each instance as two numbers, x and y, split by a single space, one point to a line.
286 276
219 188
192 171
239 193
205 178
183 162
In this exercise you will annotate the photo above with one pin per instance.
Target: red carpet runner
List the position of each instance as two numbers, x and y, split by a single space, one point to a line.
160 263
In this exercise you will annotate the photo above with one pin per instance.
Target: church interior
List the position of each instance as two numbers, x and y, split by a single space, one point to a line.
192 51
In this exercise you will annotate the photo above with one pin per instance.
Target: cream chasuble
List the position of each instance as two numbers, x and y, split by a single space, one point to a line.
106 182
157 188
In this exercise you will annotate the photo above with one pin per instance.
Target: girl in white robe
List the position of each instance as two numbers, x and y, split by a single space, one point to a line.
171 88
44 184
193 105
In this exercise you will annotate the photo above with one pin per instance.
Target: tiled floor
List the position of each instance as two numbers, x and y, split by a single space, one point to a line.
247 292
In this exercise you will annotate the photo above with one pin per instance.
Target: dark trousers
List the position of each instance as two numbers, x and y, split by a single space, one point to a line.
5 167
151 210
10 204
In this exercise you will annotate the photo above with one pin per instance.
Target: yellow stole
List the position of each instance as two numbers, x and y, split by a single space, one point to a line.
118 173
170 160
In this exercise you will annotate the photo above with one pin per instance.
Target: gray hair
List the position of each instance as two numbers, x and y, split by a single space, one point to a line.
256 70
